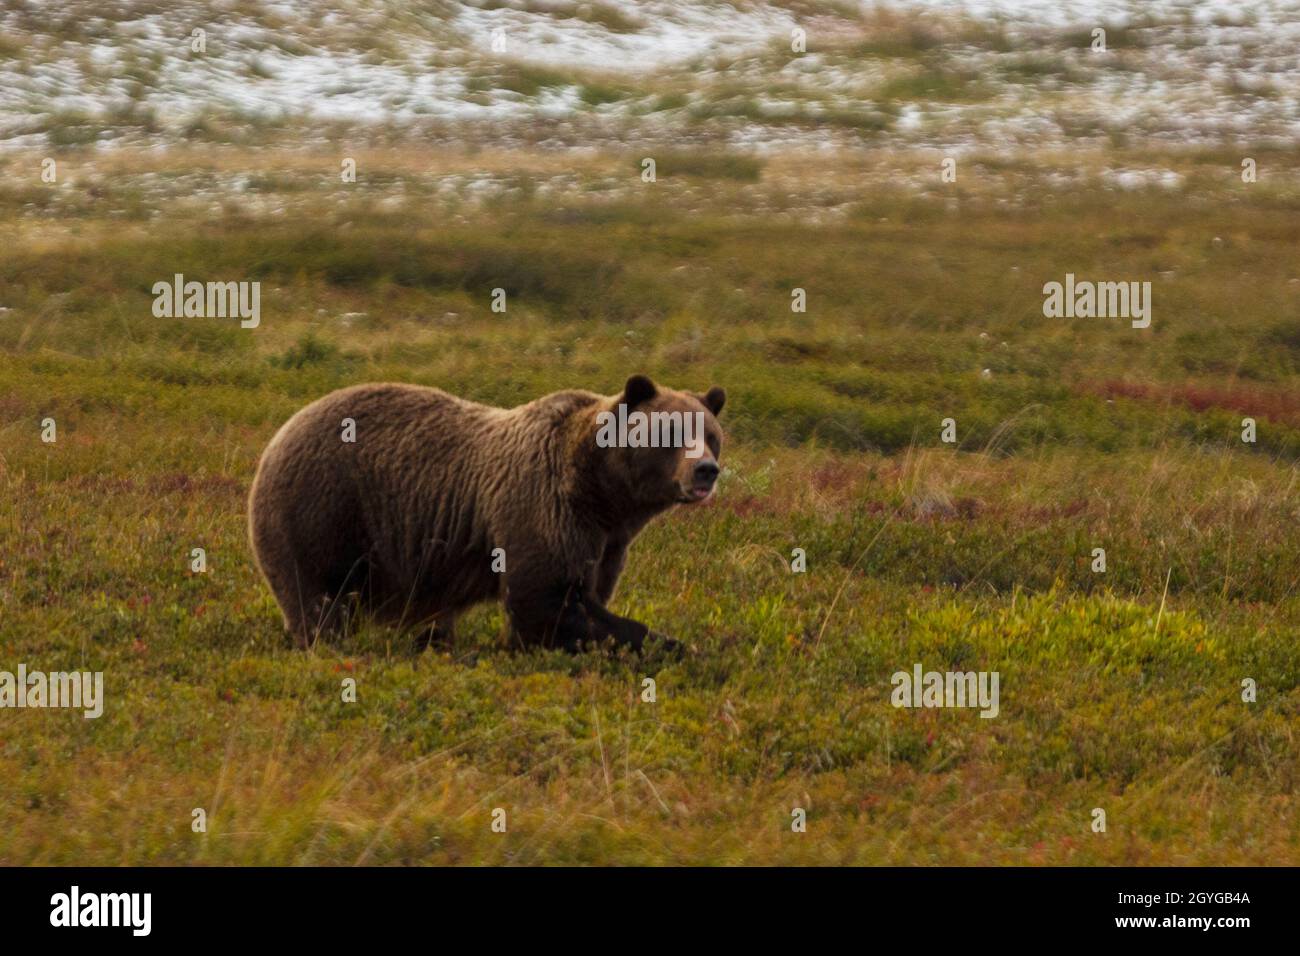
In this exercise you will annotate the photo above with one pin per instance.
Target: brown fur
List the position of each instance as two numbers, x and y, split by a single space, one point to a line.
406 518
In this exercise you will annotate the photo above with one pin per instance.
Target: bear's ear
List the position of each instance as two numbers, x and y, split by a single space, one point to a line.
637 390
714 399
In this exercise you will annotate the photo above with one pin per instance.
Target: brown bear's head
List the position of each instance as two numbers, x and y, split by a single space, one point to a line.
661 445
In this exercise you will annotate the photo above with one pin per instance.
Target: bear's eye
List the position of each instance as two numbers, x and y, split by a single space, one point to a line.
714 445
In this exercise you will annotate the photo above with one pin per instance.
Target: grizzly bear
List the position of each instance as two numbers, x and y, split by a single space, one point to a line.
414 505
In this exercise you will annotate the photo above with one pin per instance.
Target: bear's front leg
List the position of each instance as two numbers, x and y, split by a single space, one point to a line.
566 617
541 616
640 633
608 569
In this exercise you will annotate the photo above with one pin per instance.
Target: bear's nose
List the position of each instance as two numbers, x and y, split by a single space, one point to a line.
706 472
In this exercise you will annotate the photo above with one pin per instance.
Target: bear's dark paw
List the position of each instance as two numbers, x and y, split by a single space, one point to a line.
661 647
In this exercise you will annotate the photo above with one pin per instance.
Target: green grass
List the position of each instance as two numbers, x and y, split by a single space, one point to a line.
1119 690
934 82
522 78
598 94
705 165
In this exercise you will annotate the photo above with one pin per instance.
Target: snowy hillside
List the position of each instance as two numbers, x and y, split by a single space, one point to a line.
921 72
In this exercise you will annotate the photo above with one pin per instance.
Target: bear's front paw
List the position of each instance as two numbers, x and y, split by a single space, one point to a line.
663 647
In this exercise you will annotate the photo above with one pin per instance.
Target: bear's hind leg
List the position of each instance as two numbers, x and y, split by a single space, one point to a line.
312 608
440 633
317 615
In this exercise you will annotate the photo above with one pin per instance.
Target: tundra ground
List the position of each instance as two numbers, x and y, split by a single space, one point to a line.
1120 690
